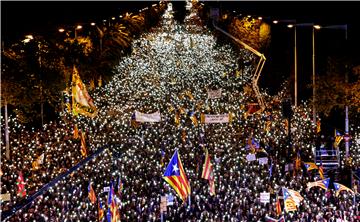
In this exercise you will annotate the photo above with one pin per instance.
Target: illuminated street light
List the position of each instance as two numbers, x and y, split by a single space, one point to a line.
78 27
28 38
113 18
317 26
61 30
260 18
92 24
275 21
290 25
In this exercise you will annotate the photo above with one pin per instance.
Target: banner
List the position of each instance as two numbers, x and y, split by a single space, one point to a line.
144 117
214 94
220 118
263 160
251 157
265 197
170 200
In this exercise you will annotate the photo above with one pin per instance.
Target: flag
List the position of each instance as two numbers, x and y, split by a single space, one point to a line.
38 162
278 206
176 177
21 185
76 132
270 219
310 166
202 118
193 118
318 126
119 186
321 171
231 117
162 157
289 203
296 196
268 126
320 183
133 122
253 108
286 126
92 84
83 145
113 214
339 187
100 82
338 138
183 135
177 119
298 161
82 102
208 173
91 194
253 145
100 211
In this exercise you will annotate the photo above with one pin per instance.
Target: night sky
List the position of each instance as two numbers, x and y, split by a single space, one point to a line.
21 18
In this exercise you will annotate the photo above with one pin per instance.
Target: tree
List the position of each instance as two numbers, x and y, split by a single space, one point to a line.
333 92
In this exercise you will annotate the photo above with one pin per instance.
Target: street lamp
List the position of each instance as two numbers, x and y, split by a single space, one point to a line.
78 27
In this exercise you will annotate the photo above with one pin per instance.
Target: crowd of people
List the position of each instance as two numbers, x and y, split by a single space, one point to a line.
171 70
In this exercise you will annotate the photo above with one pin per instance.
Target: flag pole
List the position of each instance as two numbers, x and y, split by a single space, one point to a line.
72 90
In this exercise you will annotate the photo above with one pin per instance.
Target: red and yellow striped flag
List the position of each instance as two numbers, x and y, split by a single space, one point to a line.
175 176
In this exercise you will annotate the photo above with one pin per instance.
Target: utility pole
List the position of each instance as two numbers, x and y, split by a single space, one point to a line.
347 137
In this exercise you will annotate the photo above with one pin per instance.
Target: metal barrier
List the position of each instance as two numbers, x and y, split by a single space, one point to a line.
29 200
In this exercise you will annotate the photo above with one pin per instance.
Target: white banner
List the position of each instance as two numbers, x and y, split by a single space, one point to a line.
144 117
251 157
163 204
170 200
106 189
214 94
263 160
221 118
265 197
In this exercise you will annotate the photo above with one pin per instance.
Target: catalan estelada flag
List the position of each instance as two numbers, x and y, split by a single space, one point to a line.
91 194
310 166
176 177
113 214
338 138
289 203
320 183
339 187
100 211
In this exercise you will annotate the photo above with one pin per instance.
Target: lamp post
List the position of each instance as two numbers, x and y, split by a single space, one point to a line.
101 35
78 27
